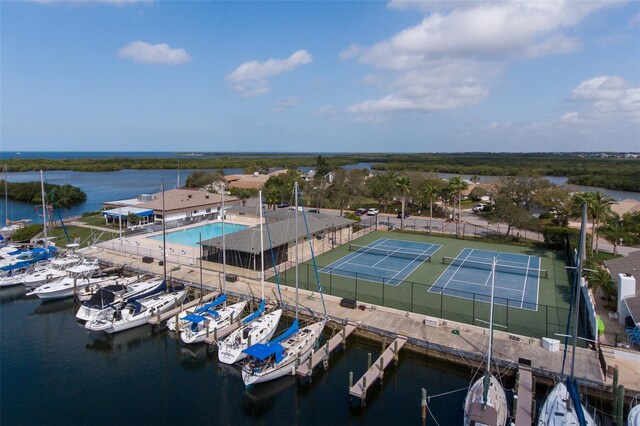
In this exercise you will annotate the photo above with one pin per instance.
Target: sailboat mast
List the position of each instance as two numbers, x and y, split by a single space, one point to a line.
6 196
295 193
490 350
164 238
224 250
581 250
44 209
261 248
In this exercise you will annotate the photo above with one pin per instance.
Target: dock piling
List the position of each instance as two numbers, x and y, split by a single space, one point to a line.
423 404
620 416
369 360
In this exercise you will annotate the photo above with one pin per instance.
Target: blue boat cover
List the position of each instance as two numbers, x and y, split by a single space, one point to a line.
263 351
221 299
136 307
194 318
254 315
574 393
293 329
159 289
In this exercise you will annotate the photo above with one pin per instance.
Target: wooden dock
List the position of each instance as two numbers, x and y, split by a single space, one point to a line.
159 318
376 371
216 335
322 354
525 391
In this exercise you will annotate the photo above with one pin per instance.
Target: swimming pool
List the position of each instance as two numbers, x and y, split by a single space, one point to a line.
191 236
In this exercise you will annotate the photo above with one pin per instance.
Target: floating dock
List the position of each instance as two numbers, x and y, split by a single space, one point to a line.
215 335
322 354
159 318
376 371
525 391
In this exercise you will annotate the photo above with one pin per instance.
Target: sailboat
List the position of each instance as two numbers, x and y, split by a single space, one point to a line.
633 418
199 325
138 310
282 355
10 226
563 406
486 402
257 327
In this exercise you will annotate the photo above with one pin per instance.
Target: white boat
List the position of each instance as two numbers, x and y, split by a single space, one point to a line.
68 285
201 325
563 405
135 313
55 270
17 275
486 402
257 327
87 292
558 409
122 291
281 356
633 419
182 323
77 277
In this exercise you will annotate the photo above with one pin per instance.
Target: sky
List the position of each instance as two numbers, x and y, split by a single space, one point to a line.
320 76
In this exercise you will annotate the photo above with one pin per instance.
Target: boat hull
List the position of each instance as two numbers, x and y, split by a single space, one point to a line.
226 316
262 330
494 413
558 409
297 354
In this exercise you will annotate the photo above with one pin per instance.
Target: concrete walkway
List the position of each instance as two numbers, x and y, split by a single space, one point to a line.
433 335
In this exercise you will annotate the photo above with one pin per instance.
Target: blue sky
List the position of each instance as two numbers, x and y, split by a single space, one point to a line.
325 76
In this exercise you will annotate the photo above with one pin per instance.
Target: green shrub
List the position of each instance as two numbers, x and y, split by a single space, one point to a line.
25 234
555 237
352 216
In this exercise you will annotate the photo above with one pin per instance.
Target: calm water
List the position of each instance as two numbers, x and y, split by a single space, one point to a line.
191 236
54 372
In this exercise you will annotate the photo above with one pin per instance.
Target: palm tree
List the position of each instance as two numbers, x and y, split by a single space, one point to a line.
403 185
614 231
601 279
474 179
458 185
598 209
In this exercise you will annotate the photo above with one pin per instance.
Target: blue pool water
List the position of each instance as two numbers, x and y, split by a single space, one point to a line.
191 236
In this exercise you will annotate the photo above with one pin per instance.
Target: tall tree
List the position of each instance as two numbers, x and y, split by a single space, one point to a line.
403 186
381 188
346 186
458 185
430 190
598 209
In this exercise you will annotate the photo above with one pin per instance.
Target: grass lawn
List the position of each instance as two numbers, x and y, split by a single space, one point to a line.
87 236
97 220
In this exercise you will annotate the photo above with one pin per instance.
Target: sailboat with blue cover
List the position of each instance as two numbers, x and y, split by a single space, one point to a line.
282 355
563 405
259 327
197 326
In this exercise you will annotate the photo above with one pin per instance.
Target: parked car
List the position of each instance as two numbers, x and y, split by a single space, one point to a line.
372 212
313 210
282 204
406 215
478 208
361 211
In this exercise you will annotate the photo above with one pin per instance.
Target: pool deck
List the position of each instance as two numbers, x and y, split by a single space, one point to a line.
432 336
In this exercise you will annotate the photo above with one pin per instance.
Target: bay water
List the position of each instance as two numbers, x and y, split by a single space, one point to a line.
54 372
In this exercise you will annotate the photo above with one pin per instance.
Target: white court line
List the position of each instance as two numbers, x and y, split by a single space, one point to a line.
419 262
454 273
524 289
346 259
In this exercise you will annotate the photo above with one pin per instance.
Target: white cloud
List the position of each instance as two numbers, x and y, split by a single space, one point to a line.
250 78
457 52
635 21
146 53
608 98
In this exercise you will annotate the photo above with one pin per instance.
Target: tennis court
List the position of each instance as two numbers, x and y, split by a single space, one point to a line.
384 260
517 278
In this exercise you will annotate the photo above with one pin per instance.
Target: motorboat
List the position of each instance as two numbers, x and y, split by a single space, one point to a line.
55 270
77 277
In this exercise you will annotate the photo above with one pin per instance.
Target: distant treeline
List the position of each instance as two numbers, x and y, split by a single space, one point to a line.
579 168
62 196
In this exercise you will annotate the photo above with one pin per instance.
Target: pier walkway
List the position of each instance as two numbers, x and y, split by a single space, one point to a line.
525 391
322 354
376 371
436 337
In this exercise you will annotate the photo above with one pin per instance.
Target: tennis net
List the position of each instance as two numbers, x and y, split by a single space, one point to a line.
404 254
509 269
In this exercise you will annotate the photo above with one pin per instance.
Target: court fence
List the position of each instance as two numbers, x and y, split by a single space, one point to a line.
464 230
470 308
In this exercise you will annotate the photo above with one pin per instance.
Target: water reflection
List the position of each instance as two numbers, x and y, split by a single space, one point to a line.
54 306
10 294
122 341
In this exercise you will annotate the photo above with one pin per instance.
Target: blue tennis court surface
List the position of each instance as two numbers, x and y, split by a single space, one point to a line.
384 261
469 276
